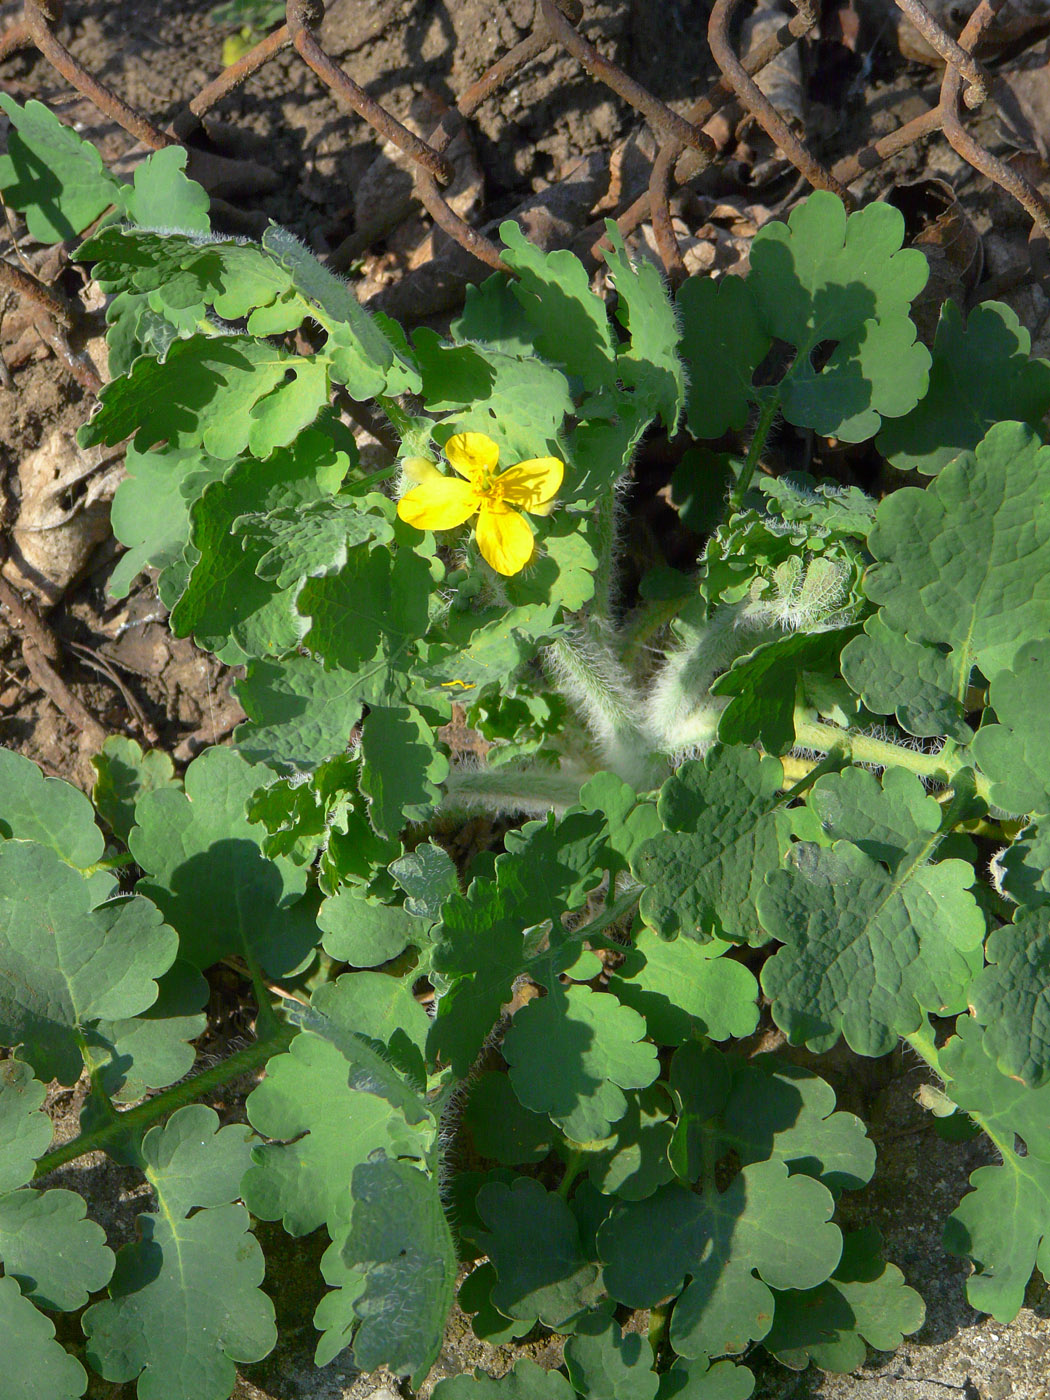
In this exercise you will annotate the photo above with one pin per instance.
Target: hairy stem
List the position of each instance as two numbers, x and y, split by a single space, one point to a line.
754 453
924 1045
592 680
189 1091
509 791
605 574
881 753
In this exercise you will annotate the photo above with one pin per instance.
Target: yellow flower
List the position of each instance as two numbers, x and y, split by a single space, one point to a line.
442 502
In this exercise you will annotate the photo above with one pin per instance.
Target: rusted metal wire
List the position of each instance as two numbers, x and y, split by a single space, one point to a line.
683 148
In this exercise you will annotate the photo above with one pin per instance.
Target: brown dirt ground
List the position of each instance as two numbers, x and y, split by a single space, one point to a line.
415 55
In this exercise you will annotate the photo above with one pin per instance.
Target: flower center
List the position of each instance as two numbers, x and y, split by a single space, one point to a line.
489 487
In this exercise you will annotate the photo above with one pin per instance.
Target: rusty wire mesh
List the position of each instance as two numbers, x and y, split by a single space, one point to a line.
683 148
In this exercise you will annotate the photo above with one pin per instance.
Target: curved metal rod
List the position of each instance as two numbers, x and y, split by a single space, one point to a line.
301 16
660 180
37 18
972 151
976 75
774 125
188 120
656 113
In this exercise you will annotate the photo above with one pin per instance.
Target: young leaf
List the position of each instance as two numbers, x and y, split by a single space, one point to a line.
636 1162
865 1300
501 1128
697 1379
962 563
51 174
185 1302
363 932
765 1221
685 988
722 331
722 836
163 195
867 952
208 875
535 1249
650 365
606 1364
1003 1224
125 774
962 403
35 1365
400 1241
58 1256
403 768
1015 753
325 1127
526 1381
65 963
299 714
1011 997
25 1132
572 1053
47 810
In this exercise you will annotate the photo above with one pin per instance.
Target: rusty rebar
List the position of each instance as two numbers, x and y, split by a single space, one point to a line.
37 18
760 107
975 73
189 119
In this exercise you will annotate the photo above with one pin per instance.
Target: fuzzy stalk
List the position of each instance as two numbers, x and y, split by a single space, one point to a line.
594 683
766 415
881 753
511 791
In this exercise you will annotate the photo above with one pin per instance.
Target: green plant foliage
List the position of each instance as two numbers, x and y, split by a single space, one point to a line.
962 405
514 1043
822 277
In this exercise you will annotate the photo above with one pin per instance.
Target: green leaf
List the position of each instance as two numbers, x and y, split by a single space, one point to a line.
865 1300
125 774
64 964
1003 1224
501 1128
569 324
52 175
36 1366
399 1239
765 1221
911 680
635 1162
607 1364
428 877
205 869
163 196
225 393
955 563
866 952
324 1127
685 989
58 1256
882 818
763 687
488 1324
1015 753
25 1132
366 620
535 1249
961 405
1024 867
155 1048
722 836
47 810
298 713
363 932
185 1302
403 768
722 332
697 1379
151 509
823 277
1011 998
631 821
526 1381
572 1053
650 365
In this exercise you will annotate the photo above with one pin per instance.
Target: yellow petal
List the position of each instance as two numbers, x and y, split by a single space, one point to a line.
530 483
419 469
471 454
440 503
504 539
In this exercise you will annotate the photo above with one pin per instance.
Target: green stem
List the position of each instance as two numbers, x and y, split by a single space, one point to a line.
573 1167
267 1022
189 1091
601 604
924 1045
512 790
400 420
862 748
765 422
658 1320
648 622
